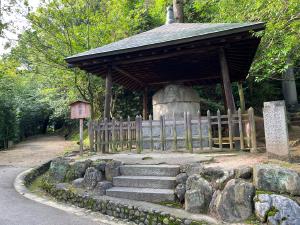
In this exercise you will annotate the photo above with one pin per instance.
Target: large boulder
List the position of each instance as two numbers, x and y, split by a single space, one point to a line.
58 169
191 169
112 169
276 209
91 178
244 172
235 202
78 183
180 192
77 169
99 165
198 194
217 176
274 178
102 186
181 178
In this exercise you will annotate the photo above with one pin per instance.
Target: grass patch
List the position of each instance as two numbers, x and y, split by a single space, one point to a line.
272 211
176 205
259 192
252 220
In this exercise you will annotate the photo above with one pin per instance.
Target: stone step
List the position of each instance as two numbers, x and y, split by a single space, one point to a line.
150 170
145 182
142 194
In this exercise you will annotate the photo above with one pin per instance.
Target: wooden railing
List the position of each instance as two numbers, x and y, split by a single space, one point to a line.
203 133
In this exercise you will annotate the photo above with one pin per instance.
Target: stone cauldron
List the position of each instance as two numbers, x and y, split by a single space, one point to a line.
175 99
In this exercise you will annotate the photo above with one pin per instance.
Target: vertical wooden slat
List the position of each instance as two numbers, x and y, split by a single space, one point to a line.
121 134
200 130
219 129
151 134
241 128
252 130
209 130
113 134
141 133
174 133
91 132
185 131
189 132
137 134
129 133
230 129
106 137
161 123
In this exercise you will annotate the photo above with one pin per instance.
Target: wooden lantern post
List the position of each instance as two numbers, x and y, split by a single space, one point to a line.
80 110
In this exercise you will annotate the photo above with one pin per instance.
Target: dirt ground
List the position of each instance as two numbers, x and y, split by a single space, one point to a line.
30 153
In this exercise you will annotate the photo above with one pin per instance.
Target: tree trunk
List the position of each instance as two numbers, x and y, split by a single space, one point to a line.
178 11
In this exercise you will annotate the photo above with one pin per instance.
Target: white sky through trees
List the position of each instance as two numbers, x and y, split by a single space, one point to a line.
16 20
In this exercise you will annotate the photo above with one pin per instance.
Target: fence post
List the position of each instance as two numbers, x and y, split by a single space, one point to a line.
121 133
129 133
106 141
242 141
189 132
200 130
113 134
230 129
137 134
91 132
185 130
209 130
141 134
252 130
174 133
161 122
151 134
219 129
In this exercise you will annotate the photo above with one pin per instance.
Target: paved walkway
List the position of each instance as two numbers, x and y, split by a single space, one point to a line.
18 210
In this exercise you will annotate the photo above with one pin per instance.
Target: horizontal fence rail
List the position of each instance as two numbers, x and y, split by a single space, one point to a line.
209 132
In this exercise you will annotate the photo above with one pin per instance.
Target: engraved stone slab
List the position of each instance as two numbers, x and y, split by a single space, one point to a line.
276 130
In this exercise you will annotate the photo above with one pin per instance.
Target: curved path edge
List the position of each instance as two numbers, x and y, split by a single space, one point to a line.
19 185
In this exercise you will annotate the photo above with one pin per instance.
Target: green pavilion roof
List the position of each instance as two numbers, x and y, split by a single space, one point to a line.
186 53
167 35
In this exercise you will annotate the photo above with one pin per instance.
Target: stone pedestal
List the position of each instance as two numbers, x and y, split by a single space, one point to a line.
175 99
276 130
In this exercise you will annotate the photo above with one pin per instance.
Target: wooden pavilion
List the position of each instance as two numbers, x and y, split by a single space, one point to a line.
189 53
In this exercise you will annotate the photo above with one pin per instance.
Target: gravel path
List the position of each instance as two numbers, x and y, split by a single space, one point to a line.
18 210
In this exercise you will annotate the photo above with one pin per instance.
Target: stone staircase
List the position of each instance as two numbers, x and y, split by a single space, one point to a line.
151 183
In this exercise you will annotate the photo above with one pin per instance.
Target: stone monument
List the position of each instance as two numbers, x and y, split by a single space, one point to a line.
276 130
175 99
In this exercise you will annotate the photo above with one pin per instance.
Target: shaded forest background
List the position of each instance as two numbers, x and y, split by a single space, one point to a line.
36 86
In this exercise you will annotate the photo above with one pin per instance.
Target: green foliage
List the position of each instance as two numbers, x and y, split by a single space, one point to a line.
36 85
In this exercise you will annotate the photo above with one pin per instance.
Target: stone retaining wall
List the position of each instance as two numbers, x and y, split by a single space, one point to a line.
138 215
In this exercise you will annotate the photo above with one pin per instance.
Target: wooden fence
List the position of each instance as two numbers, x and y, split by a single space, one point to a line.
203 133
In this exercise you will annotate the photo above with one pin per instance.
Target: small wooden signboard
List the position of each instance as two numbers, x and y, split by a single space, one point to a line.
80 110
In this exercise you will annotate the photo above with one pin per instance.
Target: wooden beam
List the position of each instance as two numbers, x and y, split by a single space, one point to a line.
128 75
145 103
108 94
226 80
185 80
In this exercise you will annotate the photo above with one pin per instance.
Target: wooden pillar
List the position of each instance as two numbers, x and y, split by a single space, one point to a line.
81 135
178 10
108 87
226 81
145 103
242 97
